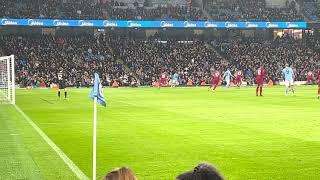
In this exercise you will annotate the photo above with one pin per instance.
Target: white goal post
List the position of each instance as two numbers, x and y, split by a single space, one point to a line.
7 80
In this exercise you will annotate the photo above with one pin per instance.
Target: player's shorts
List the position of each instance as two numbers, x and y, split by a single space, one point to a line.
288 83
162 82
238 80
215 82
62 86
259 82
173 81
310 79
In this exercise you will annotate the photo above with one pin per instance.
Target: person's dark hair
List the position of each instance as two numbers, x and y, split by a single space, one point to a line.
203 171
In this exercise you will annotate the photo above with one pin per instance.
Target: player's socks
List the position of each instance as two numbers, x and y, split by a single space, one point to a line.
257 90
65 95
260 91
59 94
293 91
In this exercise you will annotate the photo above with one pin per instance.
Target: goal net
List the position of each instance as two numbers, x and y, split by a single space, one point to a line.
7 80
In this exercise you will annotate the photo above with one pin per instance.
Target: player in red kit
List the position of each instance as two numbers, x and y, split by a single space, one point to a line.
260 75
216 77
163 79
238 78
310 77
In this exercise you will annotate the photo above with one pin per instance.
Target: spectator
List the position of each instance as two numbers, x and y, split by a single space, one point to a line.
122 173
203 171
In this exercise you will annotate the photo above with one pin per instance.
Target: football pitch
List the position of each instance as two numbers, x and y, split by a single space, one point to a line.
162 133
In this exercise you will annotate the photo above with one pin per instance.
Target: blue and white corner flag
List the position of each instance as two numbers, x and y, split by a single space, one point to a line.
97 91
97 95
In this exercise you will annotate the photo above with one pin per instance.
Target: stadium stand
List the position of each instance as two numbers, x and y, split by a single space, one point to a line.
191 59
311 9
19 9
273 54
39 59
135 11
231 10
251 10
72 9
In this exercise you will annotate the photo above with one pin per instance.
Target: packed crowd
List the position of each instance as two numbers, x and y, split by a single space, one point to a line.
69 9
39 59
141 12
73 9
249 54
192 60
19 9
231 10
251 10
311 8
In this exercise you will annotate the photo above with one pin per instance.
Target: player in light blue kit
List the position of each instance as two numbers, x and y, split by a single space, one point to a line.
175 80
288 77
227 77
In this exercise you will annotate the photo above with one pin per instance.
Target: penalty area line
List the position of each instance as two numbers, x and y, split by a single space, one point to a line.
75 169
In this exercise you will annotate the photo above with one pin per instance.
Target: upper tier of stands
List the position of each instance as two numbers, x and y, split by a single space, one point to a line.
311 9
251 10
228 10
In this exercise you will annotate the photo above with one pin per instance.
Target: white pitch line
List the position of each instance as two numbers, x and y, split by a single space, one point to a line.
55 123
75 169
13 134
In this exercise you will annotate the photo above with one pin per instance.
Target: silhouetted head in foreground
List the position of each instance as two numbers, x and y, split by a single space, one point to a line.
123 173
202 172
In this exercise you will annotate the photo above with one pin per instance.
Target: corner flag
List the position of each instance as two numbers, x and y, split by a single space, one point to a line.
97 91
97 95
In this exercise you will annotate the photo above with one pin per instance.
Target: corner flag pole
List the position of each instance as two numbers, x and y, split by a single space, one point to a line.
94 158
97 95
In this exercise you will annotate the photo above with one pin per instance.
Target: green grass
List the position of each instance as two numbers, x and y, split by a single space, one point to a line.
161 133
23 154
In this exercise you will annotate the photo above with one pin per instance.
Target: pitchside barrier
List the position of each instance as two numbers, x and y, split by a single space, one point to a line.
244 83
